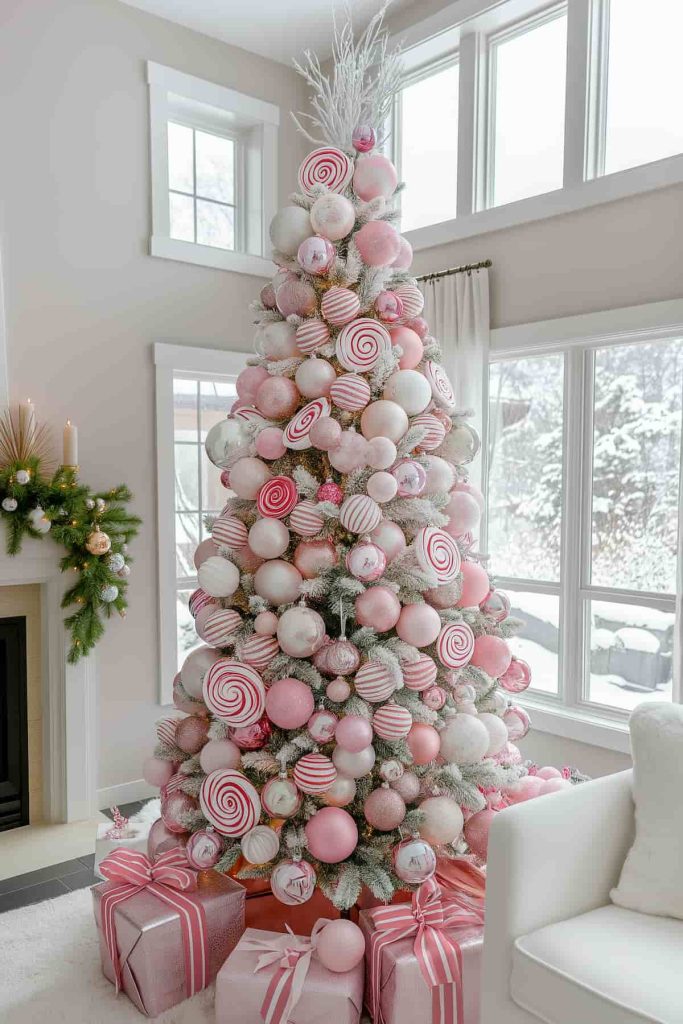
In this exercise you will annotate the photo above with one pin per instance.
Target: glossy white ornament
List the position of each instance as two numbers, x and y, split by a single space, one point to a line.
497 730
443 821
218 577
354 766
268 538
409 389
300 632
289 228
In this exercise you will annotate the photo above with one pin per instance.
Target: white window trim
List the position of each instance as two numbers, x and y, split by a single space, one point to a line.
465 26
566 714
171 360
172 93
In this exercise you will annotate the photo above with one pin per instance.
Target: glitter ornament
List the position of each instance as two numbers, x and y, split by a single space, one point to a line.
391 771
413 860
191 734
384 809
10 504
260 845
363 138
338 690
331 835
296 297
289 703
315 255
517 677
277 397
313 557
321 725
411 479
354 766
292 882
366 561
408 786
280 797
109 594
116 562
97 543
314 773
174 808
203 849
342 657
443 820
300 632
332 216
289 228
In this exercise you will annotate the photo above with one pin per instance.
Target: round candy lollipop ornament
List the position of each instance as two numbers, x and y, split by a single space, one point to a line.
230 802
325 166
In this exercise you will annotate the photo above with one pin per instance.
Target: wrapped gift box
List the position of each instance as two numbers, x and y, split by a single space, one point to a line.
326 996
150 940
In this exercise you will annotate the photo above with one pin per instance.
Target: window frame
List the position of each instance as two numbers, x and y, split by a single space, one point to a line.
253 124
569 713
467 26
172 361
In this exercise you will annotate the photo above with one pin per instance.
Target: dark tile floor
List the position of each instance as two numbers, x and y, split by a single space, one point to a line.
55 880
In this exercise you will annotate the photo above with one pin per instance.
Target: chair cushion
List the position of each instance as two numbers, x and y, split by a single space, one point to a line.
609 966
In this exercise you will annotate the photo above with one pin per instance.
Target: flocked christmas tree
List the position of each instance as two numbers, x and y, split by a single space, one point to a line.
346 721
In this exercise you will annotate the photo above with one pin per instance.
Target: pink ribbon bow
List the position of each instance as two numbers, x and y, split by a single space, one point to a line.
429 919
463 885
169 877
292 956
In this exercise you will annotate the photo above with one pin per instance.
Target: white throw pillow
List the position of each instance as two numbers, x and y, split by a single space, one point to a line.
652 877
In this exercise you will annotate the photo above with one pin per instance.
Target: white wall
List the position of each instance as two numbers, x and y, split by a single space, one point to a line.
84 300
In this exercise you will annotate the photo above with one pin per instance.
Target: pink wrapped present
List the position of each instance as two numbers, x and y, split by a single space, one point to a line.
164 931
423 960
276 978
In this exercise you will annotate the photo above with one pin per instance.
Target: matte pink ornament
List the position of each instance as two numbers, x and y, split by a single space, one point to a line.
363 138
278 582
331 835
419 325
265 623
191 734
354 766
289 703
280 798
277 397
463 512
475 585
374 176
325 434
423 743
300 632
314 377
389 307
313 557
384 809
196 665
321 725
410 344
249 381
496 605
268 538
411 479
477 830
338 690
269 444
381 453
248 475
378 607
517 677
296 297
219 754
267 296
390 538
408 786
333 216
378 243
434 697
207 549
405 255
384 419
366 561
526 788
252 737
157 772
414 860
340 946
292 882
382 486
316 255
175 806
442 597
466 487
353 733
553 786
443 820
246 559
492 655
203 849
518 724
418 624
341 793
549 772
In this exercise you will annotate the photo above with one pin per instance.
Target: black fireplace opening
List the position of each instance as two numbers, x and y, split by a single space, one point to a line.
14 809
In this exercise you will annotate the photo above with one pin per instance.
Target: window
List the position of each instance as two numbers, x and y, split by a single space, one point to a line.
195 389
214 166
583 510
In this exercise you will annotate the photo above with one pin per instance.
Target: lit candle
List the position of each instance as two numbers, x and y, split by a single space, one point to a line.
27 417
70 445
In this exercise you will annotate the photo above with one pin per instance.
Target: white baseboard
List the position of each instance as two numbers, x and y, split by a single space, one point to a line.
125 793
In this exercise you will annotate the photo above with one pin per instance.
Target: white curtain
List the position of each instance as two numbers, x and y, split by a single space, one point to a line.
457 311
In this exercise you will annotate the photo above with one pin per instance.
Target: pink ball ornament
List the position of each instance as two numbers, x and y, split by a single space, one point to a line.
321 725
378 607
249 381
265 623
340 946
339 305
330 491
423 743
465 487
410 344
280 798
267 296
331 835
350 453
300 632
463 512
296 297
384 419
496 605
293 882
353 733
378 243
269 444
442 597
196 665
492 655
434 697
405 255
354 766
420 326
389 307
476 832
157 772
174 807
333 216
312 557
418 624
161 839
411 479
341 657
268 538
443 820
191 734
338 690
382 486
384 809
390 538
517 677
366 561
289 703
374 176
207 549
553 786
219 754
316 255
325 434
475 585
439 474
419 674
341 793
252 737
517 723
288 229
248 475
526 788
277 397
278 582
381 453
225 479
203 849
408 786
548 772
314 377
363 138
414 860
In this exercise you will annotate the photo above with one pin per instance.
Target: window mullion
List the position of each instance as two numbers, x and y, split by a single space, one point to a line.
470 100
571 669
596 45
677 667
579 36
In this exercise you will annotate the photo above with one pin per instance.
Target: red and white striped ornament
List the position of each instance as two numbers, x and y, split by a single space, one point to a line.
259 650
350 392
220 625
230 802
412 300
277 497
325 166
305 520
199 599
420 674
174 784
297 430
434 431
311 335
442 390
392 722
373 682
314 773
437 551
360 514
229 531
339 305
234 692
361 344
249 414
455 645
165 730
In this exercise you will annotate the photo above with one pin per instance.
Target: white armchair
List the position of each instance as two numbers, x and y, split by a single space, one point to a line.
556 949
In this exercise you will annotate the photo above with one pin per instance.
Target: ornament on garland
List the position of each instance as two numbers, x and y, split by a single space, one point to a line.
98 543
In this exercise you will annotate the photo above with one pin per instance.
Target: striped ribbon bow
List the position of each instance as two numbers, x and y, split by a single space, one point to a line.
429 919
292 956
169 878
463 885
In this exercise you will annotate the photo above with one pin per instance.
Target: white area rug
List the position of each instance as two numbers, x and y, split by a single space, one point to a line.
50 971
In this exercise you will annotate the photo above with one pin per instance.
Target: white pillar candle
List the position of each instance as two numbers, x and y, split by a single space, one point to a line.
70 445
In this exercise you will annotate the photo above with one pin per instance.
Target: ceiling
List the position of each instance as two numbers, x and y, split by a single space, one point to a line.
278 29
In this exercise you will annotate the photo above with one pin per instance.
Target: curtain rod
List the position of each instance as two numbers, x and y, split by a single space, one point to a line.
466 268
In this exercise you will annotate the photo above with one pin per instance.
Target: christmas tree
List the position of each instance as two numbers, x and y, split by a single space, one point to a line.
346 721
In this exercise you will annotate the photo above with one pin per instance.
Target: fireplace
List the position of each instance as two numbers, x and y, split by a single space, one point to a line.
14 781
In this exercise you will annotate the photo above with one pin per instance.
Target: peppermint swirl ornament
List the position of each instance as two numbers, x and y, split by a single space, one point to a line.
297 430
277 497
360 514
373 682
437 551
392 722
442 390
339 305
230 802
455 645
305 520
311 335
314 773
350 392
325 166
361 344
229 531
234 692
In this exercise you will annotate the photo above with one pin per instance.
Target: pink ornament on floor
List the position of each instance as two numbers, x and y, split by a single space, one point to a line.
475 585
316 255
191 734
161 839
414 860
249 381
176 806
378 243
269 443
289 703
526 788
315 377
423 743
366 561
331 835
374 176
293 882
203 849
390 538
296 297
492 655
418 624
338 690
410 344
321 725
333 216
252 737
517 677
280 798
219 754
207 549
553 786
378 607
300 632
518 723
548 772
353 733
389 307
340 946
157 772
405 255
411 479
363 138
381 453
476 832
265 623
384 809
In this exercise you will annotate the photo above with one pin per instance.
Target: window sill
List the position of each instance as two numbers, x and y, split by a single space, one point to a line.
207 256
634 181
578 724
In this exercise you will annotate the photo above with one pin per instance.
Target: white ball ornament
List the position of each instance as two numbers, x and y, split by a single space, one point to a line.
268 538
332 216
464 740
278 340
409 389
22 476
289 228
248 476
277 581
315 377
260 845
382 486
196 665
497 730
300 632
384 419
218 577
354 766
440 476
381 453
443 820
